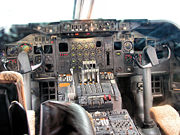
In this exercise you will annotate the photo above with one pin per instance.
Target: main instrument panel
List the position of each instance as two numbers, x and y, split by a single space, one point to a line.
68 43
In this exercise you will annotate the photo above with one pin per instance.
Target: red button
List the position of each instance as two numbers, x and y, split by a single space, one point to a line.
105 98
109 97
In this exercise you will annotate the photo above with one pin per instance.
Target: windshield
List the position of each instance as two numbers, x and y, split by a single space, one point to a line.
23 12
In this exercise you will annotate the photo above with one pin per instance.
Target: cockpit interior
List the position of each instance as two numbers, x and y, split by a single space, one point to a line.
90 77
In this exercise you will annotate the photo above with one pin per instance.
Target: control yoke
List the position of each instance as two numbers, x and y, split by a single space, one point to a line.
151 58
24 61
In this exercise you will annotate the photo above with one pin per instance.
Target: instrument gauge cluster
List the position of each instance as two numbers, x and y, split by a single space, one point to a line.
128 46
12 51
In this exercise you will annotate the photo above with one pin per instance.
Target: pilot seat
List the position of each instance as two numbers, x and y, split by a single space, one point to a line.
13 120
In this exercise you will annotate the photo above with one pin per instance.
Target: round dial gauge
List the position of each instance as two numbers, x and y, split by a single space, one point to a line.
92 45
127 46
12 51
92 53
72 47
79 47
86 46
86 53
25 47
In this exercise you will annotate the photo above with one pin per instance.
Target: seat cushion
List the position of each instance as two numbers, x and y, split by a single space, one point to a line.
167 118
